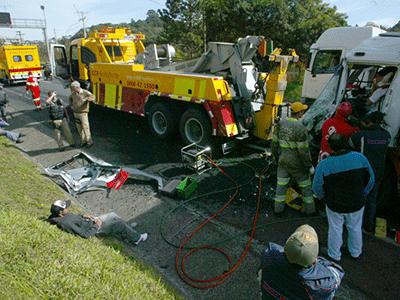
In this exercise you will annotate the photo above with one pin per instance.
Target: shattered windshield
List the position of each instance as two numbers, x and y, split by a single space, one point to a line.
325 104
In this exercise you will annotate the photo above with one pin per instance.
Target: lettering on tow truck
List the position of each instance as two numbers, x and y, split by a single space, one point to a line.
142 85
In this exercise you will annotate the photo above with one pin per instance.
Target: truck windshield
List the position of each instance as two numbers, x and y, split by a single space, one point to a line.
116 49
17 58
326 61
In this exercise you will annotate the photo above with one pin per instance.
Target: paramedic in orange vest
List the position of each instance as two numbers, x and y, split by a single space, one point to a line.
33 86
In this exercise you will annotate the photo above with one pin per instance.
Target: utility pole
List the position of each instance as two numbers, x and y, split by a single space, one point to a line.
20 34
82 19
45 34
55 36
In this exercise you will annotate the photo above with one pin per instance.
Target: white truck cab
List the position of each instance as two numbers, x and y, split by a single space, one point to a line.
327 52
371 55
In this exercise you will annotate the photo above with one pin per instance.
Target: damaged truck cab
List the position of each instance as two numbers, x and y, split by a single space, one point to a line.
347 85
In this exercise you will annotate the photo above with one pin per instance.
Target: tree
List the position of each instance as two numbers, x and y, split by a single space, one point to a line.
291 24
395 27
183 26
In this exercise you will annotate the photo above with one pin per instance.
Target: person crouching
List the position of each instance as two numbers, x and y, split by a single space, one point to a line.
296 271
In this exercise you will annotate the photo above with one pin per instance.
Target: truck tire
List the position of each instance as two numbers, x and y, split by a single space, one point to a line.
195 127
162 121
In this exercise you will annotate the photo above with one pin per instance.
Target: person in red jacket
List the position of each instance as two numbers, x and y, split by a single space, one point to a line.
336 124
33 86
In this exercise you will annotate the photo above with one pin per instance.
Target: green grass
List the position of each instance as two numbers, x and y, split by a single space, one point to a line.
39 261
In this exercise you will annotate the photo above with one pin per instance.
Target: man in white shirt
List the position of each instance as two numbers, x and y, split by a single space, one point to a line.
382 82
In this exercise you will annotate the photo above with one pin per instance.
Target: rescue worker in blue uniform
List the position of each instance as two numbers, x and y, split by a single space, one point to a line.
296 271
290 149
372 141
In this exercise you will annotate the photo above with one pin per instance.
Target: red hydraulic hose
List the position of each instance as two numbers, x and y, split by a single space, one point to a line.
180 263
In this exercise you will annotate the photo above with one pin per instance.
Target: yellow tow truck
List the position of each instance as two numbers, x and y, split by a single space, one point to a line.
223 95
16 61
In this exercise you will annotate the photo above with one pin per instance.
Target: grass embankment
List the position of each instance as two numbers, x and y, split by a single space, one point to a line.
39 261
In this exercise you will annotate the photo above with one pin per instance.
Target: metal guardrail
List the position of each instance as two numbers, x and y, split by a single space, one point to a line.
25 23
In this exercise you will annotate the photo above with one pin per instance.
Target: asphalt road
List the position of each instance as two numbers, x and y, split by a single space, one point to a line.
123 139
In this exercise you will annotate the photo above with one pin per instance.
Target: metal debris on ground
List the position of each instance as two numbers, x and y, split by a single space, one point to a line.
83 173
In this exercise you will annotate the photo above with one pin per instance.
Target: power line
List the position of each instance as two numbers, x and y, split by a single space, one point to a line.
82 19
20 34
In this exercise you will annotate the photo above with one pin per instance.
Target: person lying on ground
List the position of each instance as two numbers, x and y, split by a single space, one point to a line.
87 225
11 135
296 271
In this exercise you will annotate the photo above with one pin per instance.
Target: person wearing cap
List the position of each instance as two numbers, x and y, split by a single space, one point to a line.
342 181
372 141
80 101
336 124
87 226
290 149
32 85
296 272
3 103
58 120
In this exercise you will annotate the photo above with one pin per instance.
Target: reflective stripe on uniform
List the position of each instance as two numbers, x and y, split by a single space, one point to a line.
283 180
304 183
293 145
280 198
308 199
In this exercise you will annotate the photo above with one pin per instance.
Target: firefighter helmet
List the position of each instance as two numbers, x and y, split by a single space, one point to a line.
344 109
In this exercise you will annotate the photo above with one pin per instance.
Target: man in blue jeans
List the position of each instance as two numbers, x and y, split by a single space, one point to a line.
342 181
11 135
87 226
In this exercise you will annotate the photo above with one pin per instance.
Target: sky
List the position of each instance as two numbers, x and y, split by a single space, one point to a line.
63 19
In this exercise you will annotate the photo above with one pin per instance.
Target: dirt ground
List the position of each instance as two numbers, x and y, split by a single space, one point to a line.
123 139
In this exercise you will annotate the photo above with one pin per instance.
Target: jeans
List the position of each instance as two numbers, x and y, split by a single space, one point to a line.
113 225
353 222
13 136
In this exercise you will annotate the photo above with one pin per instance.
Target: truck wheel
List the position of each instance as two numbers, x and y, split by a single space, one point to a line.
6 81
162 121
195 127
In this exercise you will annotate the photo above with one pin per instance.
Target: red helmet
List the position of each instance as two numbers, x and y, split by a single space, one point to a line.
344 109
29 73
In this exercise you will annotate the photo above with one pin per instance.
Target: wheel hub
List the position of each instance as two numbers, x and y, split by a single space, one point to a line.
159 122
194 131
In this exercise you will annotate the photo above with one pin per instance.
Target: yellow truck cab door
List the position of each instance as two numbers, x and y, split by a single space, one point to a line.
59 61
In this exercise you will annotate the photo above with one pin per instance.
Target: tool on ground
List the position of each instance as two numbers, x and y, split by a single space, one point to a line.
294 199
186 187
195 157
380 228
